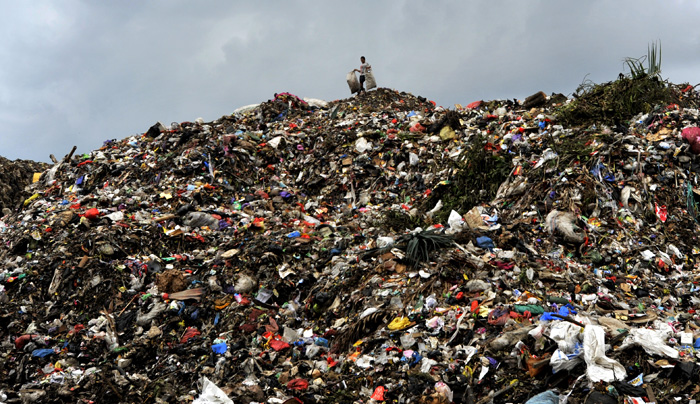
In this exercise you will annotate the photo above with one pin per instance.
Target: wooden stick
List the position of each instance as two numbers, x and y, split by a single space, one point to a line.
497 393
70 155
565 318
127 305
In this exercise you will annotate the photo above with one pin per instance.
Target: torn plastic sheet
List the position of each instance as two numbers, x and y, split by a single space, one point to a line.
652 341
600 367
211 394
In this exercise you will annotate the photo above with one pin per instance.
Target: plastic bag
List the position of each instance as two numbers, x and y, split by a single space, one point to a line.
564 223
353 82
692 136
566 335
651 340
370 83
211 394
600 367
455 221
562 361
547 397
444 390
362 145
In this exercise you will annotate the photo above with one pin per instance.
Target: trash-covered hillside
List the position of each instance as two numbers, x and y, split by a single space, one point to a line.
378 248
15 176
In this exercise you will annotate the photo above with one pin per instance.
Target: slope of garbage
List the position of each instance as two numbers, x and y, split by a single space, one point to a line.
15 176
372 249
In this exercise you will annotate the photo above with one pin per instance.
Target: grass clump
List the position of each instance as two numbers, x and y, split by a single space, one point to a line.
419 246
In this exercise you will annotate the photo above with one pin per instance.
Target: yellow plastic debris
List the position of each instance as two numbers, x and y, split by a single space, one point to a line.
399 323
30 199
447 133
484 311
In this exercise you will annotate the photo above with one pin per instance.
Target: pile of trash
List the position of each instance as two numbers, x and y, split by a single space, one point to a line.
15 176
372 249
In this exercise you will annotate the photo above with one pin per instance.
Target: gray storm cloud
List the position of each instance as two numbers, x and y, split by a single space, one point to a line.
79 73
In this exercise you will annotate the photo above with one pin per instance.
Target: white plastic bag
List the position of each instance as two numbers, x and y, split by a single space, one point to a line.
211 394
599 366
383 242
362 145
315 102
444 390
564 224
370 83
353 82
560 361
455 221
566 335
653 342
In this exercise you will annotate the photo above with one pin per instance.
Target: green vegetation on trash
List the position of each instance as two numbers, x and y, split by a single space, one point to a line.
400 221
420 245
653 59
475 178
574 150
616 102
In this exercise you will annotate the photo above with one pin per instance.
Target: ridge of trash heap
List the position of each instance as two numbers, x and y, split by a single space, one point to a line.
303 251
15 176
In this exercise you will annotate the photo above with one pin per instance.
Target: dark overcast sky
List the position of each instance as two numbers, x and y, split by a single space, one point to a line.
81 72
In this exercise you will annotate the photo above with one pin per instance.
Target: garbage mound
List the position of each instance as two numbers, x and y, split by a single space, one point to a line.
372 249
615 102
14 177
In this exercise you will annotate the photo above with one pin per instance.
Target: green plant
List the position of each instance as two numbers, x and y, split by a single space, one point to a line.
653 59
400 221
419 246
474 178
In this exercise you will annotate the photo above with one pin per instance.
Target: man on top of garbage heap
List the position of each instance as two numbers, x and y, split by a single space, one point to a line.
364 68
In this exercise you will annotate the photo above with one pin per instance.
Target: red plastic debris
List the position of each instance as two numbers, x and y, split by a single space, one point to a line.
475 104
92 214
298 384
21 341
692 136
378 393
189 334
661 212
278 345
475 306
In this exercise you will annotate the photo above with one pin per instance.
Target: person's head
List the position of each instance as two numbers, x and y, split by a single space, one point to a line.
362 59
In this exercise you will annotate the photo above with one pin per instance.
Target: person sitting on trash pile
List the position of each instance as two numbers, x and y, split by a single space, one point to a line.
288 97
277 108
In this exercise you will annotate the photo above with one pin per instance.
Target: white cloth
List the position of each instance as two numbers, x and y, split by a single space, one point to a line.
365 68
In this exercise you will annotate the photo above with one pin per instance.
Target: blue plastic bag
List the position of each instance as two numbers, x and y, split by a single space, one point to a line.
565 311
42 352
485 243
548 397
220 348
